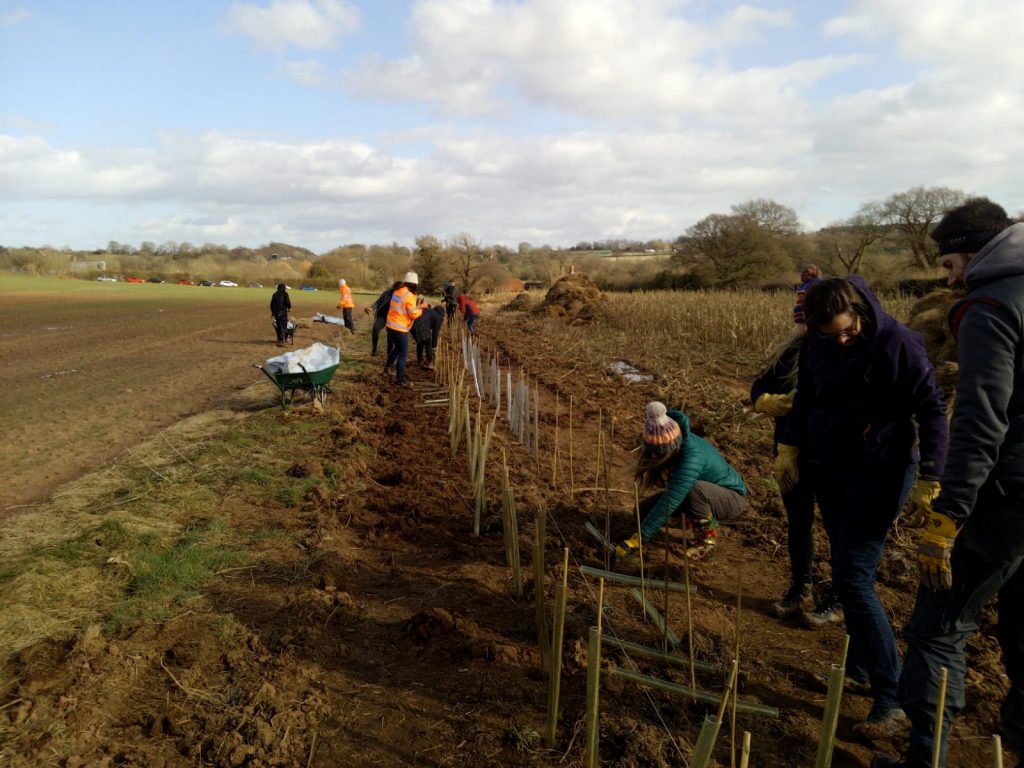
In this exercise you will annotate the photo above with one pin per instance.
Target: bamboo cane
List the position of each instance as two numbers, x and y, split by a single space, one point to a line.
666 589
539 533
745 750
572 482
736 655
997 751
940 708
689 602
639 541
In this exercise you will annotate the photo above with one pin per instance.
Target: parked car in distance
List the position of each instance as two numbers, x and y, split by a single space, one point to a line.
106 279
206 282
255 285
227 284
156 279
308 288
185 282
134 280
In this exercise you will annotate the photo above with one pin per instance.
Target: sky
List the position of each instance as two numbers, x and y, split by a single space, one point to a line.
327 122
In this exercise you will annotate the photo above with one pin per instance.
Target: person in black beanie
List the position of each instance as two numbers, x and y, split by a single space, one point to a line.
972 545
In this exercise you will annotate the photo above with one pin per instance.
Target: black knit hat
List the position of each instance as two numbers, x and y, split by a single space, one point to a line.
966 228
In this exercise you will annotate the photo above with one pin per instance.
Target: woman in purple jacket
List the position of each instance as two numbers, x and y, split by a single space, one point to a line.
864 379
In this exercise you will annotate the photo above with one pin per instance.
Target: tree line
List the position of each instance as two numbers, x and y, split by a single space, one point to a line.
757 243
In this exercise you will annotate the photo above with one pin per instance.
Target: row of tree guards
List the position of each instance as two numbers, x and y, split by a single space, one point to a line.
469 427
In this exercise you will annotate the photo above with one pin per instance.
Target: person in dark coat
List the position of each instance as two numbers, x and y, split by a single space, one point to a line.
972 545
379 311
772 394
450 292
863 381
280 306
426 331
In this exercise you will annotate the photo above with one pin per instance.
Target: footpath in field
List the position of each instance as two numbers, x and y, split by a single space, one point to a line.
338 610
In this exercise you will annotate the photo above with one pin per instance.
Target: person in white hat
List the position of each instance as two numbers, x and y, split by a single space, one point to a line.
403 313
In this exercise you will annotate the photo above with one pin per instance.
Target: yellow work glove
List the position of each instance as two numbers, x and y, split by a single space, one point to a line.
626 549
919 502
786 473
774 405
934 549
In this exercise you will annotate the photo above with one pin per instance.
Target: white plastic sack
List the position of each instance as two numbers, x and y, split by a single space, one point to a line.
320 317
314 358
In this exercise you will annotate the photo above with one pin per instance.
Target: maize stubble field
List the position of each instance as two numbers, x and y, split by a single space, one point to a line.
192 576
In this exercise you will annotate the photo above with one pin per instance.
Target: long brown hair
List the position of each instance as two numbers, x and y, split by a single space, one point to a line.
827 299
650 468
780 350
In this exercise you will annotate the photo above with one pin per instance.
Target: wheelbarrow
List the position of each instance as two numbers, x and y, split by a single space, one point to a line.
317 383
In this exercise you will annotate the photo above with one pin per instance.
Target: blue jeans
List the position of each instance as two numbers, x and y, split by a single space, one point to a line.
398 351
986 562
470 321
858 507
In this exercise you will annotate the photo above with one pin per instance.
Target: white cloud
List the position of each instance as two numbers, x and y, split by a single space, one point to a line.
16 16
601 58
315 24
307 72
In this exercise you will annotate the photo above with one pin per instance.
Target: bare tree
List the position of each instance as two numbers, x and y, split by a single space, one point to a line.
914 212
774 218
850 240
732 250
465 250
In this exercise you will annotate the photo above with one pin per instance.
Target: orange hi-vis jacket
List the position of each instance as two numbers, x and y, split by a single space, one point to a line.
345 301
403 311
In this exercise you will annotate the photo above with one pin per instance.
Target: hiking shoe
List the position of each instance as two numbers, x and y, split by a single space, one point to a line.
793 600
827 611
882 724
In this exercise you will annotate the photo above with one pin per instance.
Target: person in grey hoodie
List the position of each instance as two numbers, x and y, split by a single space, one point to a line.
972 546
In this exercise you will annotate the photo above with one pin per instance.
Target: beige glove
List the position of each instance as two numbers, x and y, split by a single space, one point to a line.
774 405
934 550
919 502
786 473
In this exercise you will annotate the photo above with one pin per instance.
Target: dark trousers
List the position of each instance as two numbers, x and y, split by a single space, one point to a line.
705 501
858 507
378 326
799 505
424 351
986 562
471 322
450 309
346 316
398 351
281 325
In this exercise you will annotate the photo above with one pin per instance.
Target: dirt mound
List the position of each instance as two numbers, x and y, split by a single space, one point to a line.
521 303
928 317
575 297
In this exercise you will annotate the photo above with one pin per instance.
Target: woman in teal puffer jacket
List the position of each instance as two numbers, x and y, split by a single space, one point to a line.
699 483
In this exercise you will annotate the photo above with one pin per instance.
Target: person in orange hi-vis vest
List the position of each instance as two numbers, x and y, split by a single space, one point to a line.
345 304
405 308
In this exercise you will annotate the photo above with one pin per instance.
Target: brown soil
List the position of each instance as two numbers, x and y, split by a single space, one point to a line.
390 635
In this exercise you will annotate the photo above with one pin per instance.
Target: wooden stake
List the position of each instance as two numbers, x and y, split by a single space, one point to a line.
940 708
639 540
572 483
997 751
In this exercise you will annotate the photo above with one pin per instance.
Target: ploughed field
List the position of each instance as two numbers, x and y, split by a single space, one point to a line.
193 576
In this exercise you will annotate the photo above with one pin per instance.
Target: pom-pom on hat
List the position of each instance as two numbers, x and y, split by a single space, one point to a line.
662 434
966 228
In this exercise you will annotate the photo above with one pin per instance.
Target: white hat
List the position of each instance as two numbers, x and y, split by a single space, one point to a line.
411 277
342 281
